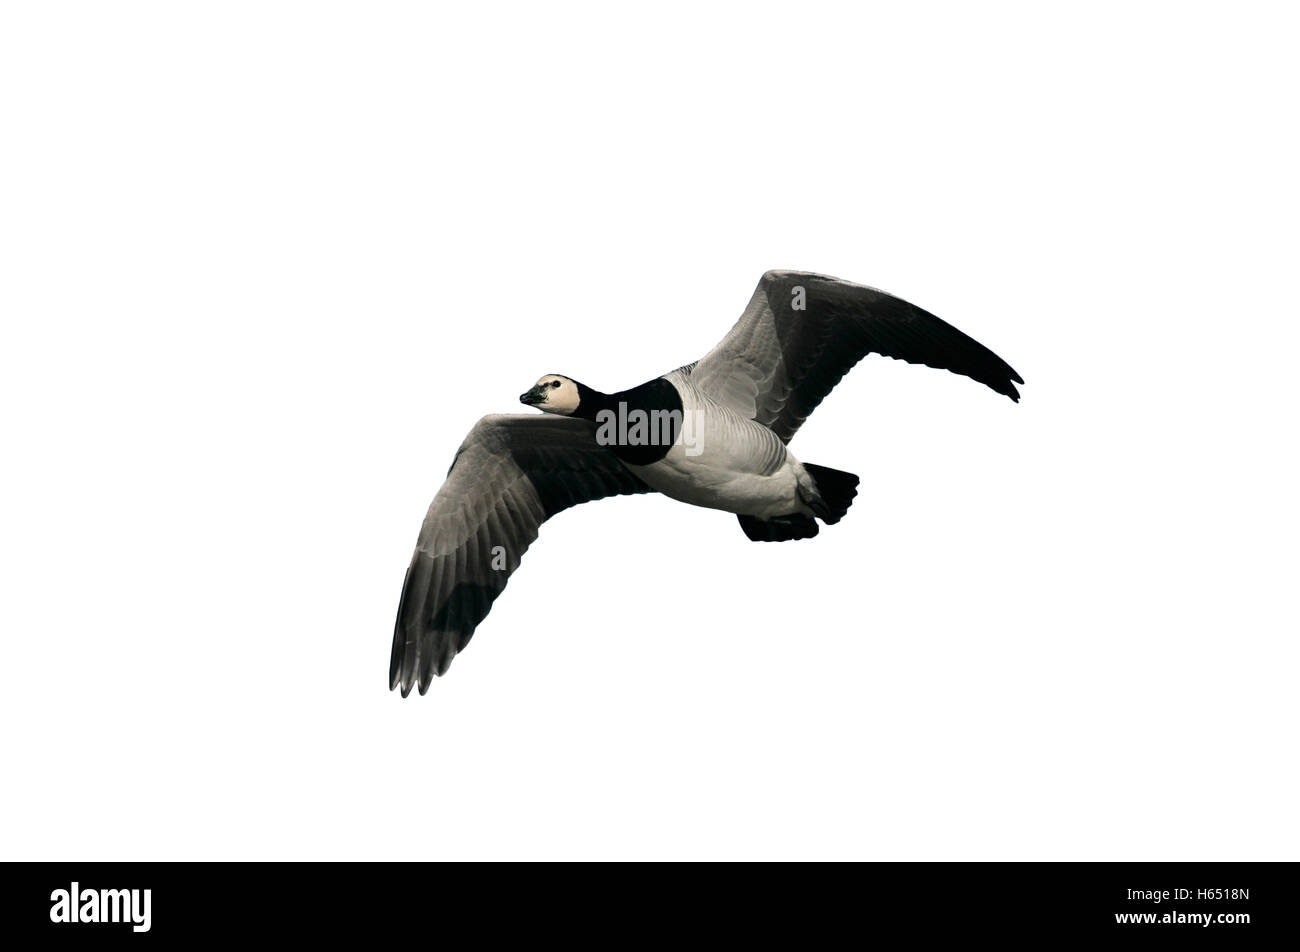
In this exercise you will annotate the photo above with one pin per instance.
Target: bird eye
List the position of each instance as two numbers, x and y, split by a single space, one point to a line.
555 384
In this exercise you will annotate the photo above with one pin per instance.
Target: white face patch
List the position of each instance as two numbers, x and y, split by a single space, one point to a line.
562 399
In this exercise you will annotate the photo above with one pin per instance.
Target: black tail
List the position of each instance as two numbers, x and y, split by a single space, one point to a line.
835 492
836 489
780 529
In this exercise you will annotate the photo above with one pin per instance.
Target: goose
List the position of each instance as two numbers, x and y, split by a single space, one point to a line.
714 433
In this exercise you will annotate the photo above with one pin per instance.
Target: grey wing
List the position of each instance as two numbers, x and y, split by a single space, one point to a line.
512 473
802 332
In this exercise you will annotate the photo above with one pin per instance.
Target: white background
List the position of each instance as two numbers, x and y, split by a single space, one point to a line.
265 264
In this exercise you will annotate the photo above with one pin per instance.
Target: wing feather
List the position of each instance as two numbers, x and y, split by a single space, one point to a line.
780 361
511 474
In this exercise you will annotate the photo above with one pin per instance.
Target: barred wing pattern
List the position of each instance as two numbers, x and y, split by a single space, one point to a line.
778 362
512 473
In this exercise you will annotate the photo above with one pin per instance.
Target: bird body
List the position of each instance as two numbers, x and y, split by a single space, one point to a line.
723 461
713 434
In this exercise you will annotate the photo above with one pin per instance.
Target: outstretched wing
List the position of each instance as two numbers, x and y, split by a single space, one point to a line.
512 473
802 332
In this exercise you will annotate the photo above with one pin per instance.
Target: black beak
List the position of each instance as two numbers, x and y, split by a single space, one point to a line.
533 397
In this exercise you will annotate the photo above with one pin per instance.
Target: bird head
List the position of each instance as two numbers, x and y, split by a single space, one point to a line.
554 394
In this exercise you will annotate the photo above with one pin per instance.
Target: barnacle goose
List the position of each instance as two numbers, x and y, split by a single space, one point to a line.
713 433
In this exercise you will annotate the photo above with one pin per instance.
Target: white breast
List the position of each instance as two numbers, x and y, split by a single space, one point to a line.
724 461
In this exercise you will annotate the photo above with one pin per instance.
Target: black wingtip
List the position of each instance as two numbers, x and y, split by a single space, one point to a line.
1004 385
395 659
1011 391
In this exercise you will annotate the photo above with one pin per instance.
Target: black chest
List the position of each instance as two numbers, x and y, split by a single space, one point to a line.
640 425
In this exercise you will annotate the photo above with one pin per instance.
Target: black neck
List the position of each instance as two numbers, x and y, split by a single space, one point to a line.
591 402
650 401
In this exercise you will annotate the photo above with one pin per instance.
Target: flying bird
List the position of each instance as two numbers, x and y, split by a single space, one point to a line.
714 433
